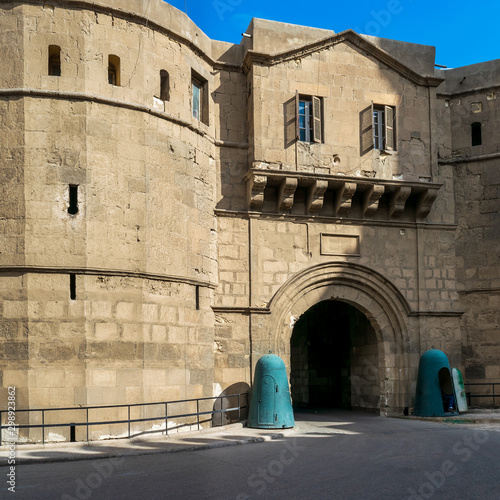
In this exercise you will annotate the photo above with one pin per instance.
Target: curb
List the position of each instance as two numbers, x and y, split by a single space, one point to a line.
72 456
454 420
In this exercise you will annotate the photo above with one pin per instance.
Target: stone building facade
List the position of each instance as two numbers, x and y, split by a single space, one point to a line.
174 207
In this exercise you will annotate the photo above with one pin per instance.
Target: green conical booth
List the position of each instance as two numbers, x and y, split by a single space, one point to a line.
435 396
270 403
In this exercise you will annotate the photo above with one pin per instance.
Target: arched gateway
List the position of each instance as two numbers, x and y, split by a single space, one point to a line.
379 379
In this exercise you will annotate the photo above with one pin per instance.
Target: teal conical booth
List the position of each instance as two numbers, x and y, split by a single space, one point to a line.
270 403
435 396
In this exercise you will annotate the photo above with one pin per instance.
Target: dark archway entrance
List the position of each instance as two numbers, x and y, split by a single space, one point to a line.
334 358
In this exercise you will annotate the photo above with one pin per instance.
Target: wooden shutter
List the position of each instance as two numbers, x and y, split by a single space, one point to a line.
291 120
389 128
297 130
366 130
316 103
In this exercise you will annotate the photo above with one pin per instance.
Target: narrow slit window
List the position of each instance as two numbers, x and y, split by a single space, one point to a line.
73 200
72 286
475 129
197 292
114 70
164 86
54 60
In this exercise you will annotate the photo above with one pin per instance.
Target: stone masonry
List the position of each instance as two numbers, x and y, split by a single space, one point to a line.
172 206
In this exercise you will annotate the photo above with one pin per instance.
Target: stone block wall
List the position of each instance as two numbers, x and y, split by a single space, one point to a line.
149 255
136 324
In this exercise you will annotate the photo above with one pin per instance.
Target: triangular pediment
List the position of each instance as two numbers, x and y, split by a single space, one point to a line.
371 46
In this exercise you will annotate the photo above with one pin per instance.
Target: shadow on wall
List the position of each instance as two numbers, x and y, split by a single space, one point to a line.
231 400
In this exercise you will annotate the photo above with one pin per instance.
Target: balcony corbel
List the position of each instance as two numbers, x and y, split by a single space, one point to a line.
397 201
286 193
425 202
371 199
343 197
255 191
316 196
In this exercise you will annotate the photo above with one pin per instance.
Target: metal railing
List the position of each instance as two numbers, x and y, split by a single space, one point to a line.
491 394
165 417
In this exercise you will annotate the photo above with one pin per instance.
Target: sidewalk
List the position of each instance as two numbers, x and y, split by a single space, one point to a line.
471 416
216 437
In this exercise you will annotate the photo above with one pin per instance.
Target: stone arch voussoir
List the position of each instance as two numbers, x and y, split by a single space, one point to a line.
371 293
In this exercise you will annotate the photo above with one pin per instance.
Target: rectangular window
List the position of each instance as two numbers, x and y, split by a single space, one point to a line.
54 60
196 100
377 128
304 119
476 134
164 86
114 70
199 97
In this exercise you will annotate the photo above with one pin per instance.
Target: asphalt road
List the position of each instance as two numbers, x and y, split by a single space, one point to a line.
334 455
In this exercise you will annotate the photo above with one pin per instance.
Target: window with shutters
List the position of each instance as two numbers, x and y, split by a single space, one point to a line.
377 128
304 119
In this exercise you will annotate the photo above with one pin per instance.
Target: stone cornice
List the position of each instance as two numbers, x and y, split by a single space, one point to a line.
81 96
253 57
475 90
104 272
241 310
351 221
468 159
439 314
479 290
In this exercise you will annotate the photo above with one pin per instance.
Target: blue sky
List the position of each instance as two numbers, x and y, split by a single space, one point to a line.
462 32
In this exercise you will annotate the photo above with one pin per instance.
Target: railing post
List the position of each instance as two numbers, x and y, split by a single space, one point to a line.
198 412
128 421
1 428
87 418
43 426
166 418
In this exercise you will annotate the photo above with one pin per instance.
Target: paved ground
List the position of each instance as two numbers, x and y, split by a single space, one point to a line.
231 435
331 454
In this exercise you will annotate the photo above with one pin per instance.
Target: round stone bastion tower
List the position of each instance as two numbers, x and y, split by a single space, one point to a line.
107 256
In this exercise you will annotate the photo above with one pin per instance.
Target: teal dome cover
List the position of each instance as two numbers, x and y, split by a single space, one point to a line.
435 395
270 403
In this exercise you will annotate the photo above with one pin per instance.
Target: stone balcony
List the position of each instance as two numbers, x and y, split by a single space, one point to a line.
303 193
